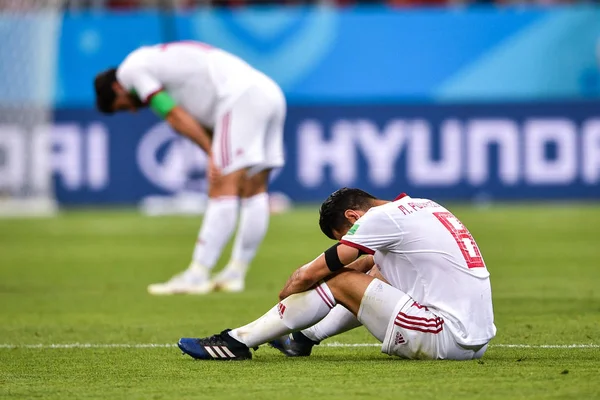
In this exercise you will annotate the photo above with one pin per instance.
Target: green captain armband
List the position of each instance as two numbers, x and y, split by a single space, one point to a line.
161 103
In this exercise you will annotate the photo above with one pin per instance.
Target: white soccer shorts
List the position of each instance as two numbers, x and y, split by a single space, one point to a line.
249 132
408 329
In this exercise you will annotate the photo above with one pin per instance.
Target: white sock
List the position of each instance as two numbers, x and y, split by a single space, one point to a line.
217 227
339 320
254 221
292 314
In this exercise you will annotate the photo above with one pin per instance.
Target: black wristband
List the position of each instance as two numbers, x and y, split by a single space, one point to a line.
332 259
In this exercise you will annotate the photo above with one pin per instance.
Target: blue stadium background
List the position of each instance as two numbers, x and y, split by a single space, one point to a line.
464 104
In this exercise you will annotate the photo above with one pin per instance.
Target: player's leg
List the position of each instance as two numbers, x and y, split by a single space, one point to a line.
252 228
254 214
339 320
405 328
301 343
291 314
416 332
233 154
217 228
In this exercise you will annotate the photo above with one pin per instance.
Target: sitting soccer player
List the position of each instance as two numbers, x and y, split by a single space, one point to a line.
437 305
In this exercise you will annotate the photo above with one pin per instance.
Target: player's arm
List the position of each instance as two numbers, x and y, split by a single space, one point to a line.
180 120
136 77
333 259
362 264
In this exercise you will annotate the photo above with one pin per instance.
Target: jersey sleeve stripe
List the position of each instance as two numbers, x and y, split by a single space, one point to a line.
358 246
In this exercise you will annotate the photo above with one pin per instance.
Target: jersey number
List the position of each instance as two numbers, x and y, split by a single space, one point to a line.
463 238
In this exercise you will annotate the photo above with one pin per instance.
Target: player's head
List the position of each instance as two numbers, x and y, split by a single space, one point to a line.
111 96
341 210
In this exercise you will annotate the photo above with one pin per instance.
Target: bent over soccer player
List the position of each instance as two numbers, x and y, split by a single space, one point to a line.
437 305
196 88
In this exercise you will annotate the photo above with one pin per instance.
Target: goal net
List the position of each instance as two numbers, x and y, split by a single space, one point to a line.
30 31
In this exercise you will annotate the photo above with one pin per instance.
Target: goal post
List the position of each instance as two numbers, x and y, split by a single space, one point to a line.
30 31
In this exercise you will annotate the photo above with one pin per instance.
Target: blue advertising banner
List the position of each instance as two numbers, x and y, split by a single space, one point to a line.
457 152
463 152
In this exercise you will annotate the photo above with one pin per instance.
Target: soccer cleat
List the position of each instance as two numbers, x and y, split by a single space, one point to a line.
231 286
294 345
220 347
193 280
229 280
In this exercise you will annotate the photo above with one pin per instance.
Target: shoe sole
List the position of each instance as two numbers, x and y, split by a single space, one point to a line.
277 345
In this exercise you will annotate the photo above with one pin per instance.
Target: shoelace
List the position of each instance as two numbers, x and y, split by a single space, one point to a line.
215 340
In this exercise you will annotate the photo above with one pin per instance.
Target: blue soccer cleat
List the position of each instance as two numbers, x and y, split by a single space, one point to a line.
294 345
220 347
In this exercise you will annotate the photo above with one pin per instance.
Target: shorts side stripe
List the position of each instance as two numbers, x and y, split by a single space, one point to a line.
401 314
225 140
414 328
435 324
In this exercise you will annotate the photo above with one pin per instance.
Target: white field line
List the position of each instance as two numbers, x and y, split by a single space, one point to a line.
332 344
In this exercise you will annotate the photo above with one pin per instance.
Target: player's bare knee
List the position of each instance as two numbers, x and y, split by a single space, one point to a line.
255 184
348 287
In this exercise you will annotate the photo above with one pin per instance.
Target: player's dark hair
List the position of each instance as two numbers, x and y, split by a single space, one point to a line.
331 214
105 94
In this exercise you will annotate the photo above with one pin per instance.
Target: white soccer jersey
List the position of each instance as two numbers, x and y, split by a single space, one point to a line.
200 78
425 251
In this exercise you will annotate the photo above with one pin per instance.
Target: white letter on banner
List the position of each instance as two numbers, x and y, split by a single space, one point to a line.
422 170
381 150
97 156
540 170
482 133
12 157
315 153
591 151
42 151
66 160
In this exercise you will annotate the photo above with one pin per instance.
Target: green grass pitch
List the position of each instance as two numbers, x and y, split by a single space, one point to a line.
81 278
